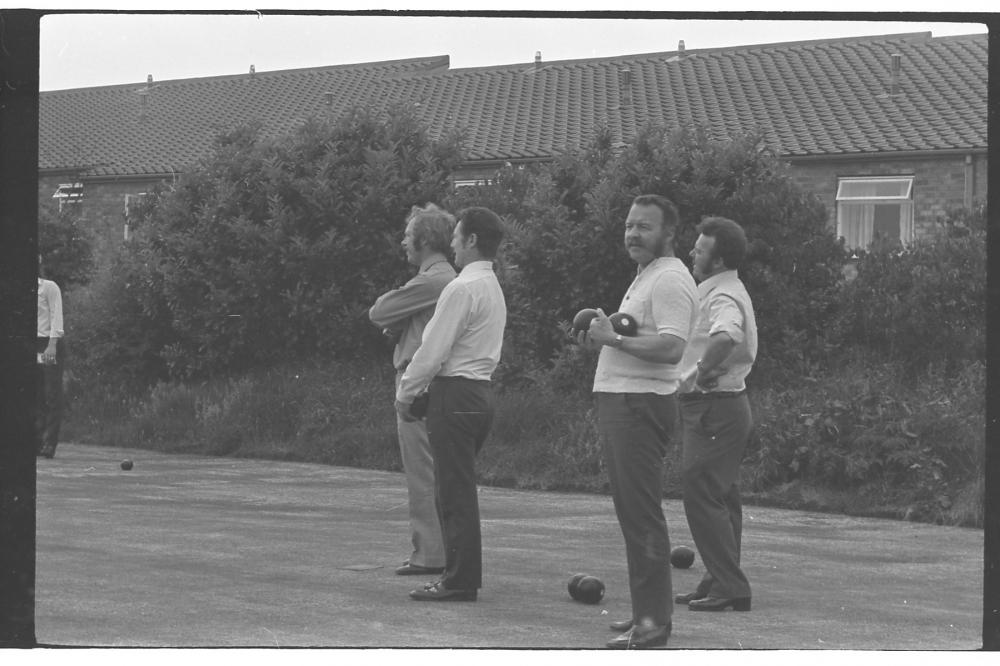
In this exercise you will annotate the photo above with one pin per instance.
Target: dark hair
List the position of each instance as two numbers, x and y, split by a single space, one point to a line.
487 226
432 227
730 240
667 209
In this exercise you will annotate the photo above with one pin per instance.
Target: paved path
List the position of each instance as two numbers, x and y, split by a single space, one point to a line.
196 551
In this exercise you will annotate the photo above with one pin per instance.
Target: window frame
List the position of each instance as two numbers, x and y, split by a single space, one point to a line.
904 199
68 193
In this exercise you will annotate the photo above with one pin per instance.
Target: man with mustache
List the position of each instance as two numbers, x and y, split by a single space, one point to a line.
634 387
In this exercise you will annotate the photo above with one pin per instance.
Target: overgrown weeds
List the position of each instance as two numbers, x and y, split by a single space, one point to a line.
859 439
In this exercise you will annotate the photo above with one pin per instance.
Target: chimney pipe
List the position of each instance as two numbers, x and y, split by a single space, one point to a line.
680 47
253 70
896 66
538 58
328 98
149 80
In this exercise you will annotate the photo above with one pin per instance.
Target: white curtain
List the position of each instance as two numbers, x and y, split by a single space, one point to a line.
906 222
856 222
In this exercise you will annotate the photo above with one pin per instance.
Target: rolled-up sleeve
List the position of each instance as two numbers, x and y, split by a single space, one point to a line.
726 317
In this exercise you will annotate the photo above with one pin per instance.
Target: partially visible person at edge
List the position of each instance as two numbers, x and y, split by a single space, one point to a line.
51 351
715 414
459 351
634 388
403 314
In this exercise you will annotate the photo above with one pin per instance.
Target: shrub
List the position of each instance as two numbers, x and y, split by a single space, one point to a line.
923 305
569 254
274 248
863 428
66 245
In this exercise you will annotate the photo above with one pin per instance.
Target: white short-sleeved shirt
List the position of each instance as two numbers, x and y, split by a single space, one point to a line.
662 299
724 306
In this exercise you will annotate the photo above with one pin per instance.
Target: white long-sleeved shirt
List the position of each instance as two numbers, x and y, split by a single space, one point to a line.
50 314
465 335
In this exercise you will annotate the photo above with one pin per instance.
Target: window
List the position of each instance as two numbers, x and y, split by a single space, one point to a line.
68 193
870 209
469 182
132 203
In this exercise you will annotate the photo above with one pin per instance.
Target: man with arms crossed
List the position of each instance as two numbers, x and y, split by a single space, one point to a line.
457 355
634 388
715 414
404 312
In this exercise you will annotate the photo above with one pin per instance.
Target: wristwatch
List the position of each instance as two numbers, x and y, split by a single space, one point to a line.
619 341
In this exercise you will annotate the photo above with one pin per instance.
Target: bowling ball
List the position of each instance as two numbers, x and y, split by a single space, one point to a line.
590 590
581 322
681 557
126 464
624 324
573 582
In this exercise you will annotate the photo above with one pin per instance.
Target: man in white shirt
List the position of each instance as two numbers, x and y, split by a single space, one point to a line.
51 356
634 387
403 313
458 353
715 414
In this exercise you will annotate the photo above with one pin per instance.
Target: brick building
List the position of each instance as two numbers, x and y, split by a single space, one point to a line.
889 131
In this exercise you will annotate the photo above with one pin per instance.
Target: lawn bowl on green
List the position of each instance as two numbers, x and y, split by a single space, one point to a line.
681 557
590 590
573 583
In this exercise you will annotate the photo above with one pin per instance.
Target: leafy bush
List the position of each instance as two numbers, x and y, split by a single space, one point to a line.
923 305
65 243
274 248
864 427
569 250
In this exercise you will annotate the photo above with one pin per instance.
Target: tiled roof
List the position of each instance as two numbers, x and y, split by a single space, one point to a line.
810 98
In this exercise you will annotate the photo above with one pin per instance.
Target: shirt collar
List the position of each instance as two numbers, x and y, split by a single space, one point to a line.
710 283
431 260
654 262
478 266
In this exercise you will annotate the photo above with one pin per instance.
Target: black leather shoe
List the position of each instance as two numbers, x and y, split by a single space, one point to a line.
685 599
621 625
634 639
720 604
416 570
438 592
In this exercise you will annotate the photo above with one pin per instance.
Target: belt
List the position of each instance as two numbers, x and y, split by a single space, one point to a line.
712 395
458 378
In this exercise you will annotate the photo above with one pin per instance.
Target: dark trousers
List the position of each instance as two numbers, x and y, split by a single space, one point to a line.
715 435
459 416
48 415
635 429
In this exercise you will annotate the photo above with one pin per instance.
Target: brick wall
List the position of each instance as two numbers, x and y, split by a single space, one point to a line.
102 209
938 183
